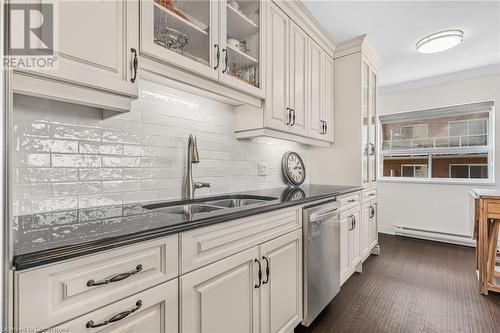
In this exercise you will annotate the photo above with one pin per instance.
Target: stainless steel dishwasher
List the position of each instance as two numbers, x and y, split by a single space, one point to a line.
321 261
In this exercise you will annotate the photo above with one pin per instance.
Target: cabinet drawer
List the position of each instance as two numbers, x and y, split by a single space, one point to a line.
350 200
369 194
65 290
155 312
206 245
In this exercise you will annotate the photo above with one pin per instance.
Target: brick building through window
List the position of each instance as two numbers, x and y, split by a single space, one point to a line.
446 143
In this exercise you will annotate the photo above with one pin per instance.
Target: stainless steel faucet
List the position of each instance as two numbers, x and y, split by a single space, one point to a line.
193 157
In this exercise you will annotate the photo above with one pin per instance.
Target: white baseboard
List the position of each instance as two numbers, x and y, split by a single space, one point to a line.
427 235
435 236
387 229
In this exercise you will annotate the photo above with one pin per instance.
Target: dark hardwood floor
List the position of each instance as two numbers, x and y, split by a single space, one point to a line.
413 286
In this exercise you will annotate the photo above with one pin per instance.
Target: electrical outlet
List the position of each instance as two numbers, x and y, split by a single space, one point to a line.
263 169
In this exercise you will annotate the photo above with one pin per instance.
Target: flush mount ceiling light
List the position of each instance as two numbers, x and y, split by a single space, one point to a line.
439 41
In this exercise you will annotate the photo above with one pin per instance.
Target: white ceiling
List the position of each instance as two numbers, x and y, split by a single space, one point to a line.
393 27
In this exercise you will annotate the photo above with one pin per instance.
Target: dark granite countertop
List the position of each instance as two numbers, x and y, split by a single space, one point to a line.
54 236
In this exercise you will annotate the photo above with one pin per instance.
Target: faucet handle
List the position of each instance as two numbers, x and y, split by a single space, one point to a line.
201 184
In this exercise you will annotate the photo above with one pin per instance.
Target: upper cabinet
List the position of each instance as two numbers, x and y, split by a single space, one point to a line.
300 75
217 40
95 51
182 33
356 65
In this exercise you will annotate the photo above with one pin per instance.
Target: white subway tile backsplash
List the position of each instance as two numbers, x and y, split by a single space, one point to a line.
67 156
100 148
75 161
44 175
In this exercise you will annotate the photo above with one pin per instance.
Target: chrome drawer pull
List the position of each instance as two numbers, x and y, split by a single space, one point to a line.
268 270
116 278
117 317
351 200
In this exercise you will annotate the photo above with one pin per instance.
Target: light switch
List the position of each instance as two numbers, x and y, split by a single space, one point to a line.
263 169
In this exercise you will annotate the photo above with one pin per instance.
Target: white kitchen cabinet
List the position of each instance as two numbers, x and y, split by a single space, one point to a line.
299 93
281 290
181 33
321 93
72 288
207 44
373 234
353 158
276 113
258 289
350 242
366 229
222 296
345 263
151 311
297 100
95 64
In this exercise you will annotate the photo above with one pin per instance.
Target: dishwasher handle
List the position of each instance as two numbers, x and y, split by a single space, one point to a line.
321 215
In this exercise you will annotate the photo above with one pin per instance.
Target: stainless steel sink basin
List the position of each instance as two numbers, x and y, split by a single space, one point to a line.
207 205
189 209
232 203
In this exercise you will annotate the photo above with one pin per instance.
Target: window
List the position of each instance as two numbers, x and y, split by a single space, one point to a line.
477 171
414 170
452 144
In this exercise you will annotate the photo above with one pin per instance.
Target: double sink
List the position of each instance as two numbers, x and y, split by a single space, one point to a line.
210 204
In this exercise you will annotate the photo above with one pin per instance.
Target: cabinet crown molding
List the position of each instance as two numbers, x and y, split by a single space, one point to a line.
359 44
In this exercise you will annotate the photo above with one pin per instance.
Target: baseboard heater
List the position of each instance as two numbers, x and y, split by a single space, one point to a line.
435 236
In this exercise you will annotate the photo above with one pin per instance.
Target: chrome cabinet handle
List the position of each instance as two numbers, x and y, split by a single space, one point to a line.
351 200
259 274
322 122
350 222
372 211
293 117
135 65
226 59
117 317
289 116
326 127
268 270
217 55
116 278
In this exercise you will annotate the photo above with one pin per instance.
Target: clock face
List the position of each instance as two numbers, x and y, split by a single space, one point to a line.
293 168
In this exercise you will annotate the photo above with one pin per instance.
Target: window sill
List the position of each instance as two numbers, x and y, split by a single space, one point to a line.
486 182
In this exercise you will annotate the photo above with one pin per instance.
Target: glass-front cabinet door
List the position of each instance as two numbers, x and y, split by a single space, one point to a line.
183 33
241 32
365 78
373 127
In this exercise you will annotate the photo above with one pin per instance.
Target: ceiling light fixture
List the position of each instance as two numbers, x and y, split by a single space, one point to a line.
439 41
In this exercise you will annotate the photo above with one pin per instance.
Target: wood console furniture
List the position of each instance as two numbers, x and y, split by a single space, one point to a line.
486 228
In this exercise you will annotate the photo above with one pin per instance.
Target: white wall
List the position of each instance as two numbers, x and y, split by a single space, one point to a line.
66 157
441 208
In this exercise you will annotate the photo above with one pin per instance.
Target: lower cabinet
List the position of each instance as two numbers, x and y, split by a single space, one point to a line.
350 242
369 232
152 311
259 289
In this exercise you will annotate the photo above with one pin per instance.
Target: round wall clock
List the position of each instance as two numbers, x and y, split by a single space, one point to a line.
293 168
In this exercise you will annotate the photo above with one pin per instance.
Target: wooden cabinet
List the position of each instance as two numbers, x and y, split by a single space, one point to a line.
218 40
350 242
94 65
152 311
258 289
